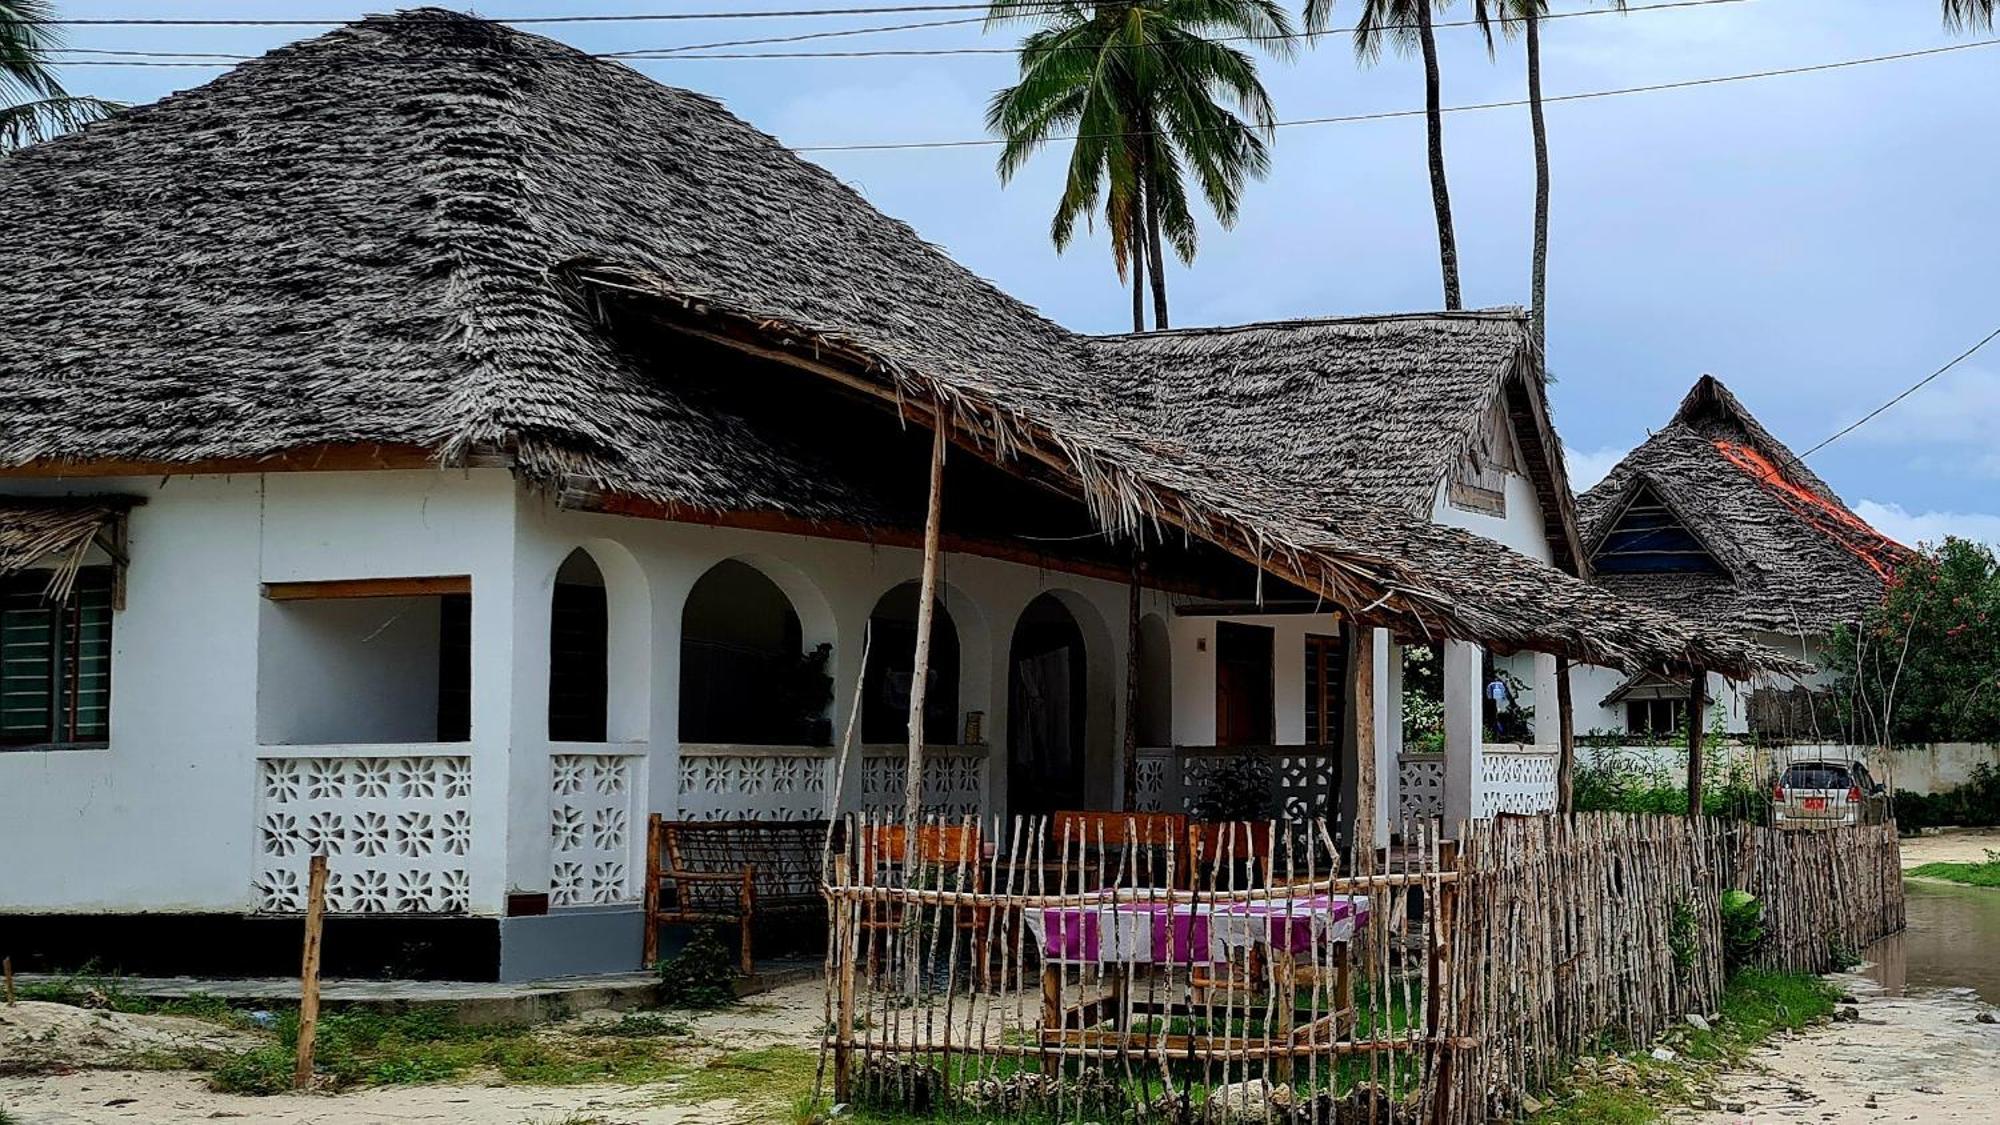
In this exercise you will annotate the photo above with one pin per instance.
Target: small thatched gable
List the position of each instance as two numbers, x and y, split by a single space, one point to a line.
59 531
1790 557
413 231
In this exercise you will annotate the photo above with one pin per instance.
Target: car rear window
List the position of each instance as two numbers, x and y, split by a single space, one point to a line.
1816 775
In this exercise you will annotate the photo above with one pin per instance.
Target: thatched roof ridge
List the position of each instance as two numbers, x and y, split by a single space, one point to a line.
410 230
1796 562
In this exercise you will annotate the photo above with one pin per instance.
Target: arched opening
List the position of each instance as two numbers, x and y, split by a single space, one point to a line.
579 652
1156 684
892 661
1047 686
744 676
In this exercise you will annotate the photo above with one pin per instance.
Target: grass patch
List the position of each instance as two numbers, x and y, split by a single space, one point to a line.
1630 1087
1986 874
87 989
357 1047
769 1076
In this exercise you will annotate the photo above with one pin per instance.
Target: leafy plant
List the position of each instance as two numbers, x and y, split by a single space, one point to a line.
1924 665
1239 789
701 975
1742 928
1683 935
1973 804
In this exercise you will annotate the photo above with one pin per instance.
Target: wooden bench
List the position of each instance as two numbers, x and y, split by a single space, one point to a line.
730 872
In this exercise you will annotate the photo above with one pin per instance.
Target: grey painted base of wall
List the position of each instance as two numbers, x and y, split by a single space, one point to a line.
571 943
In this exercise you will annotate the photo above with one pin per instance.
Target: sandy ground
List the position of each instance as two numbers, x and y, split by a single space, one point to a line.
1920 1058
102 1096
1953 845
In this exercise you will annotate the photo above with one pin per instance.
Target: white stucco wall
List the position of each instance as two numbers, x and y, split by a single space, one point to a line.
1522 528
162 819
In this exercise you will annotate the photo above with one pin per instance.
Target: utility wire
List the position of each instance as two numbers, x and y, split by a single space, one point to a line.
1390 115
1906 393
682 52
601 17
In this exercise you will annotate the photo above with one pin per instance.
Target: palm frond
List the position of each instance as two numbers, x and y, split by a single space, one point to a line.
1969 15
37 121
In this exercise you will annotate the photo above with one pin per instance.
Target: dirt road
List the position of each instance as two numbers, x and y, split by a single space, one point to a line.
1922 1058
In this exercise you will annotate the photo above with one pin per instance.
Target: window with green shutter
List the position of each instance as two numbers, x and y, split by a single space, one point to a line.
55 661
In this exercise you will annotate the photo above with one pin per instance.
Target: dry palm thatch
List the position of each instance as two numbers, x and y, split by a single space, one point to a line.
33 531
1793 557
407 232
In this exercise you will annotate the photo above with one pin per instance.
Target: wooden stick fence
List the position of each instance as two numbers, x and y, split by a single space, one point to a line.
1084 967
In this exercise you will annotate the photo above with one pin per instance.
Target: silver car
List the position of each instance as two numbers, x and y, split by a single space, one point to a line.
1820 794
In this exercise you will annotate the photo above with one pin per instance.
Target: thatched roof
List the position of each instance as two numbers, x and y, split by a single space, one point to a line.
1791 556
411 231
62 529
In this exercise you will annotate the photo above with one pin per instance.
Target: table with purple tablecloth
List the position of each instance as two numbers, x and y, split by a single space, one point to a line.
1102 930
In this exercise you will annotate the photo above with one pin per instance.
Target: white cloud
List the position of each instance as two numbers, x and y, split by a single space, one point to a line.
1586 468
1913 528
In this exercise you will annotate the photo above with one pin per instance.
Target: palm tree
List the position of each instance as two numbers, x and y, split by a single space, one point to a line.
1969 15
1148 97
37 107
1407 24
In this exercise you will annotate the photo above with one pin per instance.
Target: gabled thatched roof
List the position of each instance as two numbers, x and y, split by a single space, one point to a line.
411 230
1794 558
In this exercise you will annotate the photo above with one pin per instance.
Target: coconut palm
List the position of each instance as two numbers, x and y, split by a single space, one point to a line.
1407 24
1147 97
37 107
1969 15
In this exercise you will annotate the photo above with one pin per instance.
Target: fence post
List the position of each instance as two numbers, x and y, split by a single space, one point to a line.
847 954
302 1075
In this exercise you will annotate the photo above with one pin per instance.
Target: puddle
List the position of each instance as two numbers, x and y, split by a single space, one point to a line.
1949 943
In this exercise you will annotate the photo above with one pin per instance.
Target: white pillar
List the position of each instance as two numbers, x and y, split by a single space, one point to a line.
1388 731
1464 732
1548 724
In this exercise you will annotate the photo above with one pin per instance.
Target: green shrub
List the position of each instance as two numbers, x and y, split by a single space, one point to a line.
701 975
266 1070
1742 928
1975 804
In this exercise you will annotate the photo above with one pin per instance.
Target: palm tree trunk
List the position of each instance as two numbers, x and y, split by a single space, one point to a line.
1538 285
1135 241
1440 192
1158 259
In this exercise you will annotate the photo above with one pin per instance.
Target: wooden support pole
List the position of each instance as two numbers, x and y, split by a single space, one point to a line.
7 969
1565 741
1132 688
913 786
1361 713
1697 699
302 1076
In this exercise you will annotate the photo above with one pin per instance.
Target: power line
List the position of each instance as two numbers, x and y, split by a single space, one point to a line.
602 17
683 52
1913 388
1390 115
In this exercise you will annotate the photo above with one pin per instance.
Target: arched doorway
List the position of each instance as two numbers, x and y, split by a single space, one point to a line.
1047 687
744 677
892 660
579 652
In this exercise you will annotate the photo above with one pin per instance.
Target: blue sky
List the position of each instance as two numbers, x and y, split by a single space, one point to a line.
1818 242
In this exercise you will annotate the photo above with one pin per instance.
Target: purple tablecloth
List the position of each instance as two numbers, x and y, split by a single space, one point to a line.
1109 932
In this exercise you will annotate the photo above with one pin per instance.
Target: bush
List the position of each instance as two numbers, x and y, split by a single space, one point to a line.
701 975
1976 804
1742 928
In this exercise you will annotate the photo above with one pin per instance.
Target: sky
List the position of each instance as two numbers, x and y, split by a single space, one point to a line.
1818 242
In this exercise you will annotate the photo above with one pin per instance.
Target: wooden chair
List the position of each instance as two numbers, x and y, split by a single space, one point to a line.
730 872
944 849
1105 837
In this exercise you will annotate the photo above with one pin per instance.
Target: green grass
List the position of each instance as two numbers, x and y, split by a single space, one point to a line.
1632 1088
1985 874
356 1047
88 989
